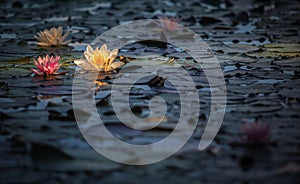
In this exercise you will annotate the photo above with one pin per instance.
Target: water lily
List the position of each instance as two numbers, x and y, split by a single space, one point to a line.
47 65
258 132
99 59
52 37
169 24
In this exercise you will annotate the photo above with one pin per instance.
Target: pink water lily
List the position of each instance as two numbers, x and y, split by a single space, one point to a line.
47 65
258 132
169 24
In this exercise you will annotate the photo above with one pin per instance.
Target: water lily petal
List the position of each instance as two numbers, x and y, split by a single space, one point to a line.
117 64
36 72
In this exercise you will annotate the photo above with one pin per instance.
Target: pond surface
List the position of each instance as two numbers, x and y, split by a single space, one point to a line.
256 44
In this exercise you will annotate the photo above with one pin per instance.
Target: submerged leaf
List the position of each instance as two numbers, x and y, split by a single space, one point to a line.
48 157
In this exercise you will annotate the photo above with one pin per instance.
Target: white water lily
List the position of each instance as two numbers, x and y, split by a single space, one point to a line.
99 59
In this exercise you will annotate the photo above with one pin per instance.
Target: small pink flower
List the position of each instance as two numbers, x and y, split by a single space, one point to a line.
169 24
258 132
47 65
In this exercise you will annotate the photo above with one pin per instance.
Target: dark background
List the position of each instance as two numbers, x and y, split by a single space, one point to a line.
40 141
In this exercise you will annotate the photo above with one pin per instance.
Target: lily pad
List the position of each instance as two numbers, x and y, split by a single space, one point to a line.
277 50
47 157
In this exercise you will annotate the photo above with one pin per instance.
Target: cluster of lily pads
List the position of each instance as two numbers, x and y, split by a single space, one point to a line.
102 59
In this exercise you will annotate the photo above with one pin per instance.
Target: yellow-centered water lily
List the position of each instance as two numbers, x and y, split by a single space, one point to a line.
100 59
52 37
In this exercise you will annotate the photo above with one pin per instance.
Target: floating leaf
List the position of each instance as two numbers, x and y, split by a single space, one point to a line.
278 50
48 157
